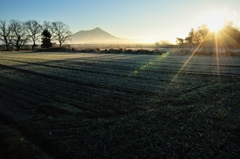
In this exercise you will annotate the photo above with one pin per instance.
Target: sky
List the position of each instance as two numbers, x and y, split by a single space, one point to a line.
141 20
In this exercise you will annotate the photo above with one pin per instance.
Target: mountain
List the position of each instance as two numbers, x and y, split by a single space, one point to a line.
95 36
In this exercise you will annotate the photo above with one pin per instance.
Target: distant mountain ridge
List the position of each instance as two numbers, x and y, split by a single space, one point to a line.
94 36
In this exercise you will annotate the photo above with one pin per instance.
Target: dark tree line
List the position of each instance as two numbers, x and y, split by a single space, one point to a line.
46 39
228 36
16 33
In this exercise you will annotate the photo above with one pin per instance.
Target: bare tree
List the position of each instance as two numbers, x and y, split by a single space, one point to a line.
61 32
5 32
47 26
19 34
34 31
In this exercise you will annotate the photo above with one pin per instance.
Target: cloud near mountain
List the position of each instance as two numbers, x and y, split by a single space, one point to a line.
95 36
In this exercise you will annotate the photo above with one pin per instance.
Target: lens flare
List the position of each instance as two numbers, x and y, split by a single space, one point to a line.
164 55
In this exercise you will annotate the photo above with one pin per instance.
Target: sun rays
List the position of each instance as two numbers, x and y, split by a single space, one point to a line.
182 68
221 39
217 55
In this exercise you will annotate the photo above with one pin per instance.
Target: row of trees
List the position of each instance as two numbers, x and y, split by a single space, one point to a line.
228 36
16 33
163 43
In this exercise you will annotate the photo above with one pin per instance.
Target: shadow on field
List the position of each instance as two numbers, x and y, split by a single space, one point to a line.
117 106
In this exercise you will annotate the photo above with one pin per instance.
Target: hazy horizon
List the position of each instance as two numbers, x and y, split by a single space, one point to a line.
143 21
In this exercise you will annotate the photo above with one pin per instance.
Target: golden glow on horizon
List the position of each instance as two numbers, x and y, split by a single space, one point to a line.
147 41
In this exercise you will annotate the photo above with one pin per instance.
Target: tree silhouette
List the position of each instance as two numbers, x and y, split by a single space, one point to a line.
19 35
46 39
203 32
230 35
61 32
190 38
34 29
179 41
5 32
196 37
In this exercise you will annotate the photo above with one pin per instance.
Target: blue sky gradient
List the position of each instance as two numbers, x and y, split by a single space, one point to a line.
146 20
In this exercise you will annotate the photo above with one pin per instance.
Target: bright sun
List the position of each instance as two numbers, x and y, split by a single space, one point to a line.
214 22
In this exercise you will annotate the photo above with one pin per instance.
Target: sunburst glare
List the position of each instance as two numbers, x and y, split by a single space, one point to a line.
214 20
215 23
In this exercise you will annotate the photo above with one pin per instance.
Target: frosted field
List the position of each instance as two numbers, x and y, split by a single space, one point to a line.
83 105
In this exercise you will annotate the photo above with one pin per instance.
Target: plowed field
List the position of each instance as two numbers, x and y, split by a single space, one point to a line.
85 105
